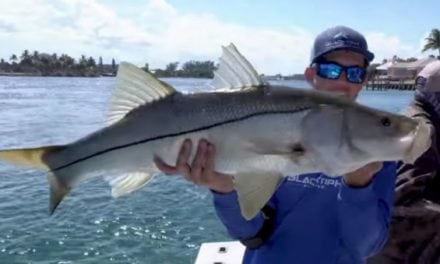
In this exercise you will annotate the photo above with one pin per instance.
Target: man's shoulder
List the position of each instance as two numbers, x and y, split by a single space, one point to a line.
389 164
388 168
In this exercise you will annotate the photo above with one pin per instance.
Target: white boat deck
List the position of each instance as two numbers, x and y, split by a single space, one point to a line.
230 252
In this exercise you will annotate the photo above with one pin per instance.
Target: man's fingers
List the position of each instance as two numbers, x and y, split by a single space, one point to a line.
201 170
182 166
198 164
184 153
165 168
205 173
182 159
210 156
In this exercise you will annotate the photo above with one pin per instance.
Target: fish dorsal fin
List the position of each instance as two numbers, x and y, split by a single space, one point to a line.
235 72
134 87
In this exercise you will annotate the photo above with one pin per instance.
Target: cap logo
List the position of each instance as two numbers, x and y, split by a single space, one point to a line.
342 40
340 36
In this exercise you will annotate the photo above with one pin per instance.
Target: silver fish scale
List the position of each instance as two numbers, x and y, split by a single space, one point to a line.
180 114
186 113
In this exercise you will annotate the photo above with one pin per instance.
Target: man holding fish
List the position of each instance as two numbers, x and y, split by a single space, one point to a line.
310 218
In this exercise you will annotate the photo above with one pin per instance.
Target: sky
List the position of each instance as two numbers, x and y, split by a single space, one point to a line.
275 36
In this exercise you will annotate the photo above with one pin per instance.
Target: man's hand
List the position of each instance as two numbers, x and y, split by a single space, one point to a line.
362 176
201 171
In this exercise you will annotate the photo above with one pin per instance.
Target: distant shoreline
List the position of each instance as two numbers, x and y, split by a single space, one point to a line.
29 74
18 74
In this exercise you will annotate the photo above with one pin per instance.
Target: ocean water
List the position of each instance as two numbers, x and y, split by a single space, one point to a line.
165 222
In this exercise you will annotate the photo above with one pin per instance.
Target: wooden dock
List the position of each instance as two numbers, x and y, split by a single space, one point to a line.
380 85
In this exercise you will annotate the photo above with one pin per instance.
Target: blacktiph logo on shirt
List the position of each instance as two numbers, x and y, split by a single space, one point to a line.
318 181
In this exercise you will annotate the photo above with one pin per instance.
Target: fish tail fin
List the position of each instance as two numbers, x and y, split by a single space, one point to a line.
35 158
30 157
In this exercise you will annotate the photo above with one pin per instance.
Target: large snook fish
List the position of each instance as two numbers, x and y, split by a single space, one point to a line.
261 133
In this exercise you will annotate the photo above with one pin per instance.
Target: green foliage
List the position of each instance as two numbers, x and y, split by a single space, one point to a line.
432 41
44 64
198 69
195 69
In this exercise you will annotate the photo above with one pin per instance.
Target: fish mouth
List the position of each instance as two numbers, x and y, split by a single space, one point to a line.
409 138
418 142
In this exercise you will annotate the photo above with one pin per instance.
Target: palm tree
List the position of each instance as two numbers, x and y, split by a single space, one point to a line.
26 58
24 55
35 55
91 62
66 61
432 41
13 58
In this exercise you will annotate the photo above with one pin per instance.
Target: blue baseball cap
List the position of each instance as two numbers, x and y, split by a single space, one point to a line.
340 38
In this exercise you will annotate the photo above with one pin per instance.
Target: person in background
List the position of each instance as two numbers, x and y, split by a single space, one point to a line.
415 228
311 218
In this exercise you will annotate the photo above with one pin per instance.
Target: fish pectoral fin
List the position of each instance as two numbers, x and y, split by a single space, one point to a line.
254 190
295 153
264 146
127 183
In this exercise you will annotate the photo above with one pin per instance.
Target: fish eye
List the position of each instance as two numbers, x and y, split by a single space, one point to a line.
385 121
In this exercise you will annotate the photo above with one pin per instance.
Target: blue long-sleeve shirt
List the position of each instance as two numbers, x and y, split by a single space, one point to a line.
318 219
